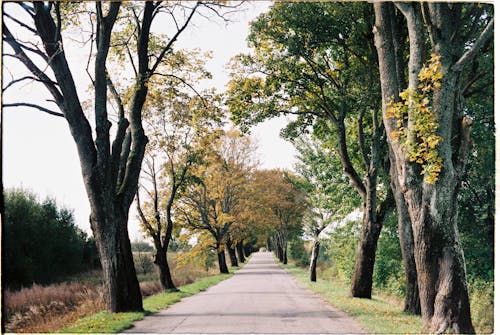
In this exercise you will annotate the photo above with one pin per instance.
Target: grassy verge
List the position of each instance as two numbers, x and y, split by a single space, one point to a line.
376 315
105 322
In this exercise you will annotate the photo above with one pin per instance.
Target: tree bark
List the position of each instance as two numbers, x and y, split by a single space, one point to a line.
367 247
232 254
314 259
405 232
221 257
121 284
239 249
165 276
432 206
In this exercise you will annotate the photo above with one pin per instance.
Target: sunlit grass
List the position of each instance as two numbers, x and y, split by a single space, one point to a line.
376 315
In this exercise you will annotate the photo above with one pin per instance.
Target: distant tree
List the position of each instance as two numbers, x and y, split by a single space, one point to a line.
41 242
329 194
141 246
281 205
214 204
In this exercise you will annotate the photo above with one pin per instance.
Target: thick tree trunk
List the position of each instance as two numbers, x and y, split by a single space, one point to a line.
432 206
365 257
221 257
314 259
165 276
122 287
232 254
239 249
405 232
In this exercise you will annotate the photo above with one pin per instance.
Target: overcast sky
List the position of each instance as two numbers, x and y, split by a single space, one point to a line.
39 153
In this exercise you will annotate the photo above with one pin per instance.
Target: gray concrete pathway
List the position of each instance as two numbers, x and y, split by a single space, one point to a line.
261 298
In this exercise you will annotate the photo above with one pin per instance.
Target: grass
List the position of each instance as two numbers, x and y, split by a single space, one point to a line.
105 322
377 315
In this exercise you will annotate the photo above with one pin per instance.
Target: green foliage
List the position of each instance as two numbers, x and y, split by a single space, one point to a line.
476 200
298 252
389 270
341 249
41 241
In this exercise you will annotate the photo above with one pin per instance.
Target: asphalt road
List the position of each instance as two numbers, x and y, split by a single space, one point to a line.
261 298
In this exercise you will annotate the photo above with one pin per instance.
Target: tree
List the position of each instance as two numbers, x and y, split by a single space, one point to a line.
279 204
310 62
110 169
430 140
329 194
180 124
214 203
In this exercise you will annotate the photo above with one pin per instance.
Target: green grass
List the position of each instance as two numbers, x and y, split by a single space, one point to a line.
376 315
105 322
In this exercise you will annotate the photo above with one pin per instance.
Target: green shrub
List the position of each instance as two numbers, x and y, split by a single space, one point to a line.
298 252
340 248
41 241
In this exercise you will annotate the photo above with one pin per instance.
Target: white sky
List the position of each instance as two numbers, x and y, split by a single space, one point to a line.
39 153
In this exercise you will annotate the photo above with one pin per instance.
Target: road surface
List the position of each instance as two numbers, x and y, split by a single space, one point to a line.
259 298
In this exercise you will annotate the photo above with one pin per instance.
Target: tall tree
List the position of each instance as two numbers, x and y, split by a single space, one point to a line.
180 127
430 140
180 123
110 169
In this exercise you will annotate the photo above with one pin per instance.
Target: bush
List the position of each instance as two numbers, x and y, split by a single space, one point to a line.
41 241
298 252
340 248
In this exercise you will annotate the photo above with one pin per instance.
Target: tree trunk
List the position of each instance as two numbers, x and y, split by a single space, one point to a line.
165 276
432 206
239 249
314 259
232 254
365 256
121 284
284 251
405 232
247 249
221 257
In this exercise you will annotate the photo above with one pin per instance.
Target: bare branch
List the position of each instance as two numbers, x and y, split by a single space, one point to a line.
20 23
43 109
469 55
25 78
174 38
21 55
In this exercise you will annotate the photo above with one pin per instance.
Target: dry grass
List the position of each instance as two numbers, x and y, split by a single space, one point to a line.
42 309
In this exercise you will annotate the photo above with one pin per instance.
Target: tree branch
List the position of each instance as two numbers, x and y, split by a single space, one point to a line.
469 55
174 38
43 109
